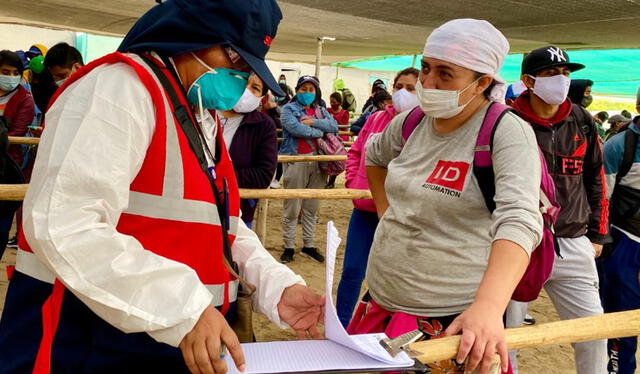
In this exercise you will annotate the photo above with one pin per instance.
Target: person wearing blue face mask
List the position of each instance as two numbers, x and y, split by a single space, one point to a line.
304 120
132 248
16 102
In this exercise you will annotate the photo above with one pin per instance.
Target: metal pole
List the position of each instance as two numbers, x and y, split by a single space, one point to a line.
413 63
319 57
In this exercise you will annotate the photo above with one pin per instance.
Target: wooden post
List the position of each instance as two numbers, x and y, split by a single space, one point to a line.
13 192
607 326
311 158
24 140
260 220
16 192
320 194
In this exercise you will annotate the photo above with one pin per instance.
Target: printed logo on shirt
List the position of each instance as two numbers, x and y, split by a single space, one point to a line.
448 177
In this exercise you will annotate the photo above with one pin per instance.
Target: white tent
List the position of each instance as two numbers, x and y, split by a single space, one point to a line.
374 27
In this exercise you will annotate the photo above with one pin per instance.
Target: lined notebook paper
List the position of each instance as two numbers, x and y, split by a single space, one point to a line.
339 352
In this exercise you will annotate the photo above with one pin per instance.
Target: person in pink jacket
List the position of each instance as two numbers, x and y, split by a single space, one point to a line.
364 218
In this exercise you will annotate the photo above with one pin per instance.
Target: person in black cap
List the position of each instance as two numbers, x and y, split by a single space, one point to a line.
132 241
569 140
369 108
304 121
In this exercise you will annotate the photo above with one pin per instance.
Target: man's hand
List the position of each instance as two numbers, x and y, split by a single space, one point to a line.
598 249
302 309
308 122
202 347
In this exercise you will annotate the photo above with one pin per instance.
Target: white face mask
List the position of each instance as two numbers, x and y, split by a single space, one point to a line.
552 90
441 103
248 102
404 100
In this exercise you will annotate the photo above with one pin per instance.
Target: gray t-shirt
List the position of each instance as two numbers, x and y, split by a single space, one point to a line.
432 246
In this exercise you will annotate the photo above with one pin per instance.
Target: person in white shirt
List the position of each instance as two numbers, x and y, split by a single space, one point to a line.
131 230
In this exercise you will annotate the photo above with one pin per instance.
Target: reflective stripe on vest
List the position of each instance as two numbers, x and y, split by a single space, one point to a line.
28 264
171 205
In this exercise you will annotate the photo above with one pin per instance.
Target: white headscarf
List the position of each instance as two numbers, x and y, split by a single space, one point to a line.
472 44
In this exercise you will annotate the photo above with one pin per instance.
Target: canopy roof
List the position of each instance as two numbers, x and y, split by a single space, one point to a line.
615 72
375 27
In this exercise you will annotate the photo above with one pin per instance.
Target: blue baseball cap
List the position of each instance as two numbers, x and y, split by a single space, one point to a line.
174 27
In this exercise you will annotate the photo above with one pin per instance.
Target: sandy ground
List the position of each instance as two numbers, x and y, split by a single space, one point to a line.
551 360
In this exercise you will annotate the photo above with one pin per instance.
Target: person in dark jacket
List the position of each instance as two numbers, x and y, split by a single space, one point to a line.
620 265
16 102
616 122
288 92
378 85
580 92
379 101
250 137
568 138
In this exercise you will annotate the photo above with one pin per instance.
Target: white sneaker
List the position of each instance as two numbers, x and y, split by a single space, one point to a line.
275 184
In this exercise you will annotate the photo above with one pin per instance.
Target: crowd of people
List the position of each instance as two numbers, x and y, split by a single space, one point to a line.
134 247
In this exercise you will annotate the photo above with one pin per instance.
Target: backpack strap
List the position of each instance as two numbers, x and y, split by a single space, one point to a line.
630 142
482 163
411 122
581 118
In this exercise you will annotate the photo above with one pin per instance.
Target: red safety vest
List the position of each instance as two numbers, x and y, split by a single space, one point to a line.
172 210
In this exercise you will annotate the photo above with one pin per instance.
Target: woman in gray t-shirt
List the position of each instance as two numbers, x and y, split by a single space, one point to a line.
439 255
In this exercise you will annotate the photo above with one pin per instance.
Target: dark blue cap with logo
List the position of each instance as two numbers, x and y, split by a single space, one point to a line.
179 26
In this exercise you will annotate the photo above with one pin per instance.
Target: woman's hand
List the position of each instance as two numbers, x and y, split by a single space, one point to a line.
482 337
308 122
203 347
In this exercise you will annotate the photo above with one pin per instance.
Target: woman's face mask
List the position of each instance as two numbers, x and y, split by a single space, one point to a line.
248 102
404 100
306 98
441 103
217 89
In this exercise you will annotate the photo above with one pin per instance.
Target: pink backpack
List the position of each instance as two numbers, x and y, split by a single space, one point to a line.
330 145
542 257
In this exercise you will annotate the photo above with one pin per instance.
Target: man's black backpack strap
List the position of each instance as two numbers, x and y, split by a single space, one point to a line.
630 146
580 114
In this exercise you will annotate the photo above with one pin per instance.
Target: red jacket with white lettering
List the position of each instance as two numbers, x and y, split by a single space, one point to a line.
573 152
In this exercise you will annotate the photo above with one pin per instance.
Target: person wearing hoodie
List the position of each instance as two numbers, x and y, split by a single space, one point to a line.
364 218
580 92
620 264
304 120
568 138
250 137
